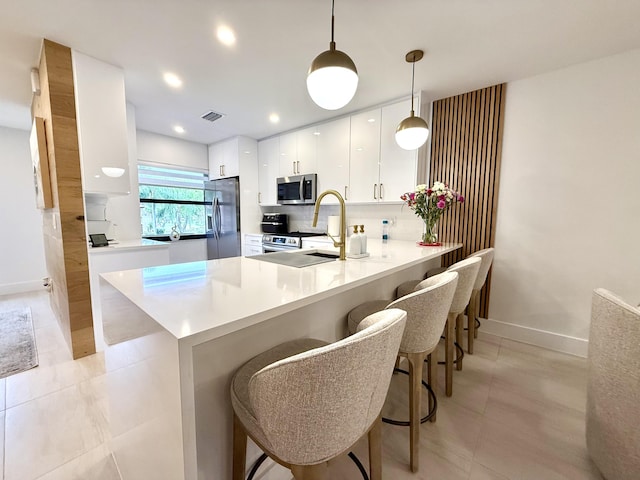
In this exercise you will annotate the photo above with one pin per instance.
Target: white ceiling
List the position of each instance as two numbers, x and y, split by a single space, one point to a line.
469 44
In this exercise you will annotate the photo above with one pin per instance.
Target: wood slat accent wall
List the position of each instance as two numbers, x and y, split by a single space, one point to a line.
466 148
65 240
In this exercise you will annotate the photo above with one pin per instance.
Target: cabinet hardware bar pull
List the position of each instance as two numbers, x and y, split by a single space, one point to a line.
298 166
259 197
375 192
345 192
294 167
220 170
381 191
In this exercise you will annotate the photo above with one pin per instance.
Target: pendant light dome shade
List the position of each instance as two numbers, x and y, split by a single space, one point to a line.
332 79
412 132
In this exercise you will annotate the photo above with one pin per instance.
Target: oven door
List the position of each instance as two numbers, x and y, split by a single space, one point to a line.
271 248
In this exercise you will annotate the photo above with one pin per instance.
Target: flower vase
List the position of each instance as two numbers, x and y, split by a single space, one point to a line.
430 235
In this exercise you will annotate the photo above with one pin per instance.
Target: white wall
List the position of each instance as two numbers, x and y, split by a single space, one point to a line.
172 151
22 263
569 207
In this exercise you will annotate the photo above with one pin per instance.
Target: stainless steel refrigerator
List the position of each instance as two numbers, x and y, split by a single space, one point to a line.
222 199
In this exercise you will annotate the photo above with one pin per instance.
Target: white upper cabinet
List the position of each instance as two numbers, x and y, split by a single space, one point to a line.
365 156
224 159
288 155
101 113
307 149
268 170
332 158
357 156
398 167
298 152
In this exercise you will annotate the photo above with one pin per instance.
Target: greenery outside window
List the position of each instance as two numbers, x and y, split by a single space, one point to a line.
171 197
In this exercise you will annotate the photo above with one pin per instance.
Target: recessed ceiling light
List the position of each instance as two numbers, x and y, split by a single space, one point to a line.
226 36
274 118
316 133
359 149
247 152
172 80
371 120
178 129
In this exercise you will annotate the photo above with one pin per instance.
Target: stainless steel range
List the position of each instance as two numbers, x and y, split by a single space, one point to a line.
285 241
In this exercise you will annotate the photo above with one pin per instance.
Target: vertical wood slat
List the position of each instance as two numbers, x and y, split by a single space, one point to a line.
466 149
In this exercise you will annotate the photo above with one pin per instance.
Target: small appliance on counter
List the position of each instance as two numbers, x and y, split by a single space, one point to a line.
277 223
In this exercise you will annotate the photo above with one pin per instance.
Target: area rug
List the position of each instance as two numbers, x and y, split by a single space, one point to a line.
17 342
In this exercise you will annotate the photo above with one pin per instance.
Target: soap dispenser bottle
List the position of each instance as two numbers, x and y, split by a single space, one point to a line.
363 240
355 243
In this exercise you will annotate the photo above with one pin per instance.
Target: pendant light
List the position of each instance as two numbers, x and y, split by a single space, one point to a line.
332 79
413 131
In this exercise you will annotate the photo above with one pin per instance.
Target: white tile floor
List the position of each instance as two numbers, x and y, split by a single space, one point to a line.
517 412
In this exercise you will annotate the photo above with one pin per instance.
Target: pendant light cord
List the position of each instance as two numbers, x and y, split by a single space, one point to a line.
332 22
413 76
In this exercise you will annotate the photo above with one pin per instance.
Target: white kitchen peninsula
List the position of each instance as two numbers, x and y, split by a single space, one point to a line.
184 329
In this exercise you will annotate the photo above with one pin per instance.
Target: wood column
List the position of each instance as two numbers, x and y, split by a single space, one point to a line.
65 240
466 149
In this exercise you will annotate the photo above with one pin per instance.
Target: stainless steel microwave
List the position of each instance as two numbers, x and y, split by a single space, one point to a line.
297 189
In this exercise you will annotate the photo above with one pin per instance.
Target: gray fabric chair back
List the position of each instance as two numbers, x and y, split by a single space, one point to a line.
487 259
613 387
468 272
427 309
314 405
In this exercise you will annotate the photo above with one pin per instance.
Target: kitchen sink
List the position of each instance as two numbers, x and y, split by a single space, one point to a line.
297 258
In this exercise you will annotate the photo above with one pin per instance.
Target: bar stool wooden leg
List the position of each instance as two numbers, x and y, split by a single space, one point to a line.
375 450
459 331
416 362
471 319
448 352
432 379
239 449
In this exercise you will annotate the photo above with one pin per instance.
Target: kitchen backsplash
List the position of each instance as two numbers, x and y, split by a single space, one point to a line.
404 224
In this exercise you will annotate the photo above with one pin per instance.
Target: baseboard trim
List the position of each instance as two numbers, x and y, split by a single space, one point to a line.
533 336
21 287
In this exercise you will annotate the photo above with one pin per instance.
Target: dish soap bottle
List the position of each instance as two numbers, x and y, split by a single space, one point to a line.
355 243
363 240
385 231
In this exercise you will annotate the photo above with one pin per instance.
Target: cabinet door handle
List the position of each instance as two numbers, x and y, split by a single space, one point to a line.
345 192
298 166
381 191
375 191
294 167
259 197
220 170
223 174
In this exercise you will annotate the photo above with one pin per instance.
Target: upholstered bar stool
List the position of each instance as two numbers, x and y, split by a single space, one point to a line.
613 387
472 312
467 270
486 256
305 402
427 310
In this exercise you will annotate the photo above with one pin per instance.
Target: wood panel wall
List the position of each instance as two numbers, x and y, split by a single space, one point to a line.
65 240
466 148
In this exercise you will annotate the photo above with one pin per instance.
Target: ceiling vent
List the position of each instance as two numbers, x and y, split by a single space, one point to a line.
211 116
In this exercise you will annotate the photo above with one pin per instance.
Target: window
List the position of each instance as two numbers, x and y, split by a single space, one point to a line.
171 197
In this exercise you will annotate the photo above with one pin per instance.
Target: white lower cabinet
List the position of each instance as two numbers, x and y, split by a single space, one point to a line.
252 244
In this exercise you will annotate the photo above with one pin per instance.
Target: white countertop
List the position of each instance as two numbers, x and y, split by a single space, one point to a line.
203 300
123 245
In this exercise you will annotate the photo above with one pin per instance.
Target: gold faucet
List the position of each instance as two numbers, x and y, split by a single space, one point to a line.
343 221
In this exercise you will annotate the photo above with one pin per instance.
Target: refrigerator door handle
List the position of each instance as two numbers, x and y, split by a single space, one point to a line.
215 218
219 218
